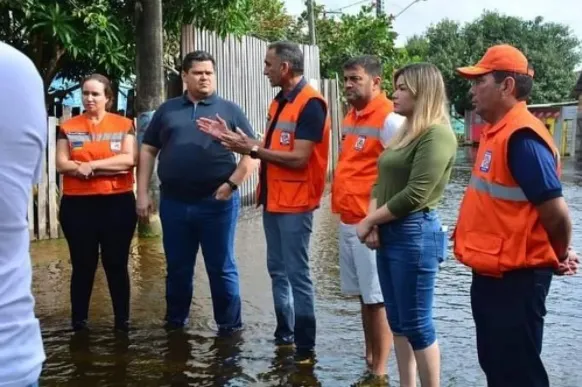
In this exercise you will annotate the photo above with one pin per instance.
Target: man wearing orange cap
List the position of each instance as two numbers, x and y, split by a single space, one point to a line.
514 229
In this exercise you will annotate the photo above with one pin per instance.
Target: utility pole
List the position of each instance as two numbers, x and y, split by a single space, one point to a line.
150 86
311 13
379 8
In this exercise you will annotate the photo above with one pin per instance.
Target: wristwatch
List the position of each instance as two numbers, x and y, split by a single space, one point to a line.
232 186
254 153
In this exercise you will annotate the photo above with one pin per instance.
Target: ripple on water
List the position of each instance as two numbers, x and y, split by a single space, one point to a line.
152 357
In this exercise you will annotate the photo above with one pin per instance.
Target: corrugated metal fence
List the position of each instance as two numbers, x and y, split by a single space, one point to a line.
239 78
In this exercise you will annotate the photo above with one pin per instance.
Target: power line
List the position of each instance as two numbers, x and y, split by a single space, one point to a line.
351 5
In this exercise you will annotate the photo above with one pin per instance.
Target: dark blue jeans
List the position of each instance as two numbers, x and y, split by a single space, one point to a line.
408 259
210 224
288 238
509 321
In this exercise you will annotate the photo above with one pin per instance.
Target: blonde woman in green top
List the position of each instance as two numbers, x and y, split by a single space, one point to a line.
402 223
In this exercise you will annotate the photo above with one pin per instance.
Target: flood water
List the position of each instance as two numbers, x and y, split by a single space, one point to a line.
152 357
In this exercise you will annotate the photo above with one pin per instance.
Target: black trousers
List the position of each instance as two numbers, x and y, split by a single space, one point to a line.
509 319
92 224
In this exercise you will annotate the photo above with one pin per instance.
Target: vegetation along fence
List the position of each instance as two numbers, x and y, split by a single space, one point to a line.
239 78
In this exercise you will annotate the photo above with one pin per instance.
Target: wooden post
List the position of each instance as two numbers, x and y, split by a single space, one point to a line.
52 178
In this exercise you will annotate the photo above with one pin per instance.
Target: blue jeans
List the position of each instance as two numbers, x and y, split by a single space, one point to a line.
287 238
208 223
408 259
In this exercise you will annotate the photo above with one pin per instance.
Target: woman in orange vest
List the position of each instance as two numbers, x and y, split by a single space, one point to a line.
96 153
402 223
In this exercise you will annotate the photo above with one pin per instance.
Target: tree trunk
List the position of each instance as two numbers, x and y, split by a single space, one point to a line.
150 86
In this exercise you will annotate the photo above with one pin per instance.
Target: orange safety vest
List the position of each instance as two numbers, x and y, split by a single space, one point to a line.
295 190
89 142
498 229
357 166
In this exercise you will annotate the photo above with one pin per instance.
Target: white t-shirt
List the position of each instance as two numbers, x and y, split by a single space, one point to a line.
392 124
23 136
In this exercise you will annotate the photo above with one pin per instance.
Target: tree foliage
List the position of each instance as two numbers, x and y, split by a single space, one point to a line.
552 49
70 38
73 38
269 20
351 35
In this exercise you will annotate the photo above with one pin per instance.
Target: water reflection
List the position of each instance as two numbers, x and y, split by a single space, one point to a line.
150 356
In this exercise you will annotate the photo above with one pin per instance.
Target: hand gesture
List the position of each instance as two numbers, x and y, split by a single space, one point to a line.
237 142
216 128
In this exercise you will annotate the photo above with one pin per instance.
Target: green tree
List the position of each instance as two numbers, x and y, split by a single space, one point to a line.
350 35
73 38
551 48
221 16
269 20
70 38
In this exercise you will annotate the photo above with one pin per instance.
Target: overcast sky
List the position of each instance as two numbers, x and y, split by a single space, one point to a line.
417 18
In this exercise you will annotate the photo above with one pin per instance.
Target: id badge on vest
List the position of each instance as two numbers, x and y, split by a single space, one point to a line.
285 138
486 162
115 146
360 142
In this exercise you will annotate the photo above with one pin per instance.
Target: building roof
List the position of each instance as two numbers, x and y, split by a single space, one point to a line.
551 105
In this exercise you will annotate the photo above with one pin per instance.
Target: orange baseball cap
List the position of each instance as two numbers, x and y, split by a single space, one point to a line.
502 57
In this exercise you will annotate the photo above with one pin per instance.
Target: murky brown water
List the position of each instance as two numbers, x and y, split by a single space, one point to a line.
151 357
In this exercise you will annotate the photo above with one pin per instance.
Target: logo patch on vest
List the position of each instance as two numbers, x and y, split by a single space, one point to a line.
486 162
76 144
360 142
115 146
285 138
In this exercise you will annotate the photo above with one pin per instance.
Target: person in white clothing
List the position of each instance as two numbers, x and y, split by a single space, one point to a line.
23 136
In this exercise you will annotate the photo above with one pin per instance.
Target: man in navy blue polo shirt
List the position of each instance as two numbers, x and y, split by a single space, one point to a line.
199 199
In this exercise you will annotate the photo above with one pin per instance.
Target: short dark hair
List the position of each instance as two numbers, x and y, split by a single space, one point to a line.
291 53
197 56
523 83
107 88
370 63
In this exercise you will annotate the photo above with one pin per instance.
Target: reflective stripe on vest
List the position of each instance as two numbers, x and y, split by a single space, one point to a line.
89 142
361 131
292 190
498 191
498 230
96 137
285 126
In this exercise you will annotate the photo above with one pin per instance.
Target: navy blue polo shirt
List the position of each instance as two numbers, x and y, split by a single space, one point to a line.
533 166
192 164
310 125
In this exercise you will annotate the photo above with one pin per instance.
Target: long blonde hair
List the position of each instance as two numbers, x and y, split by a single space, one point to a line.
425 82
